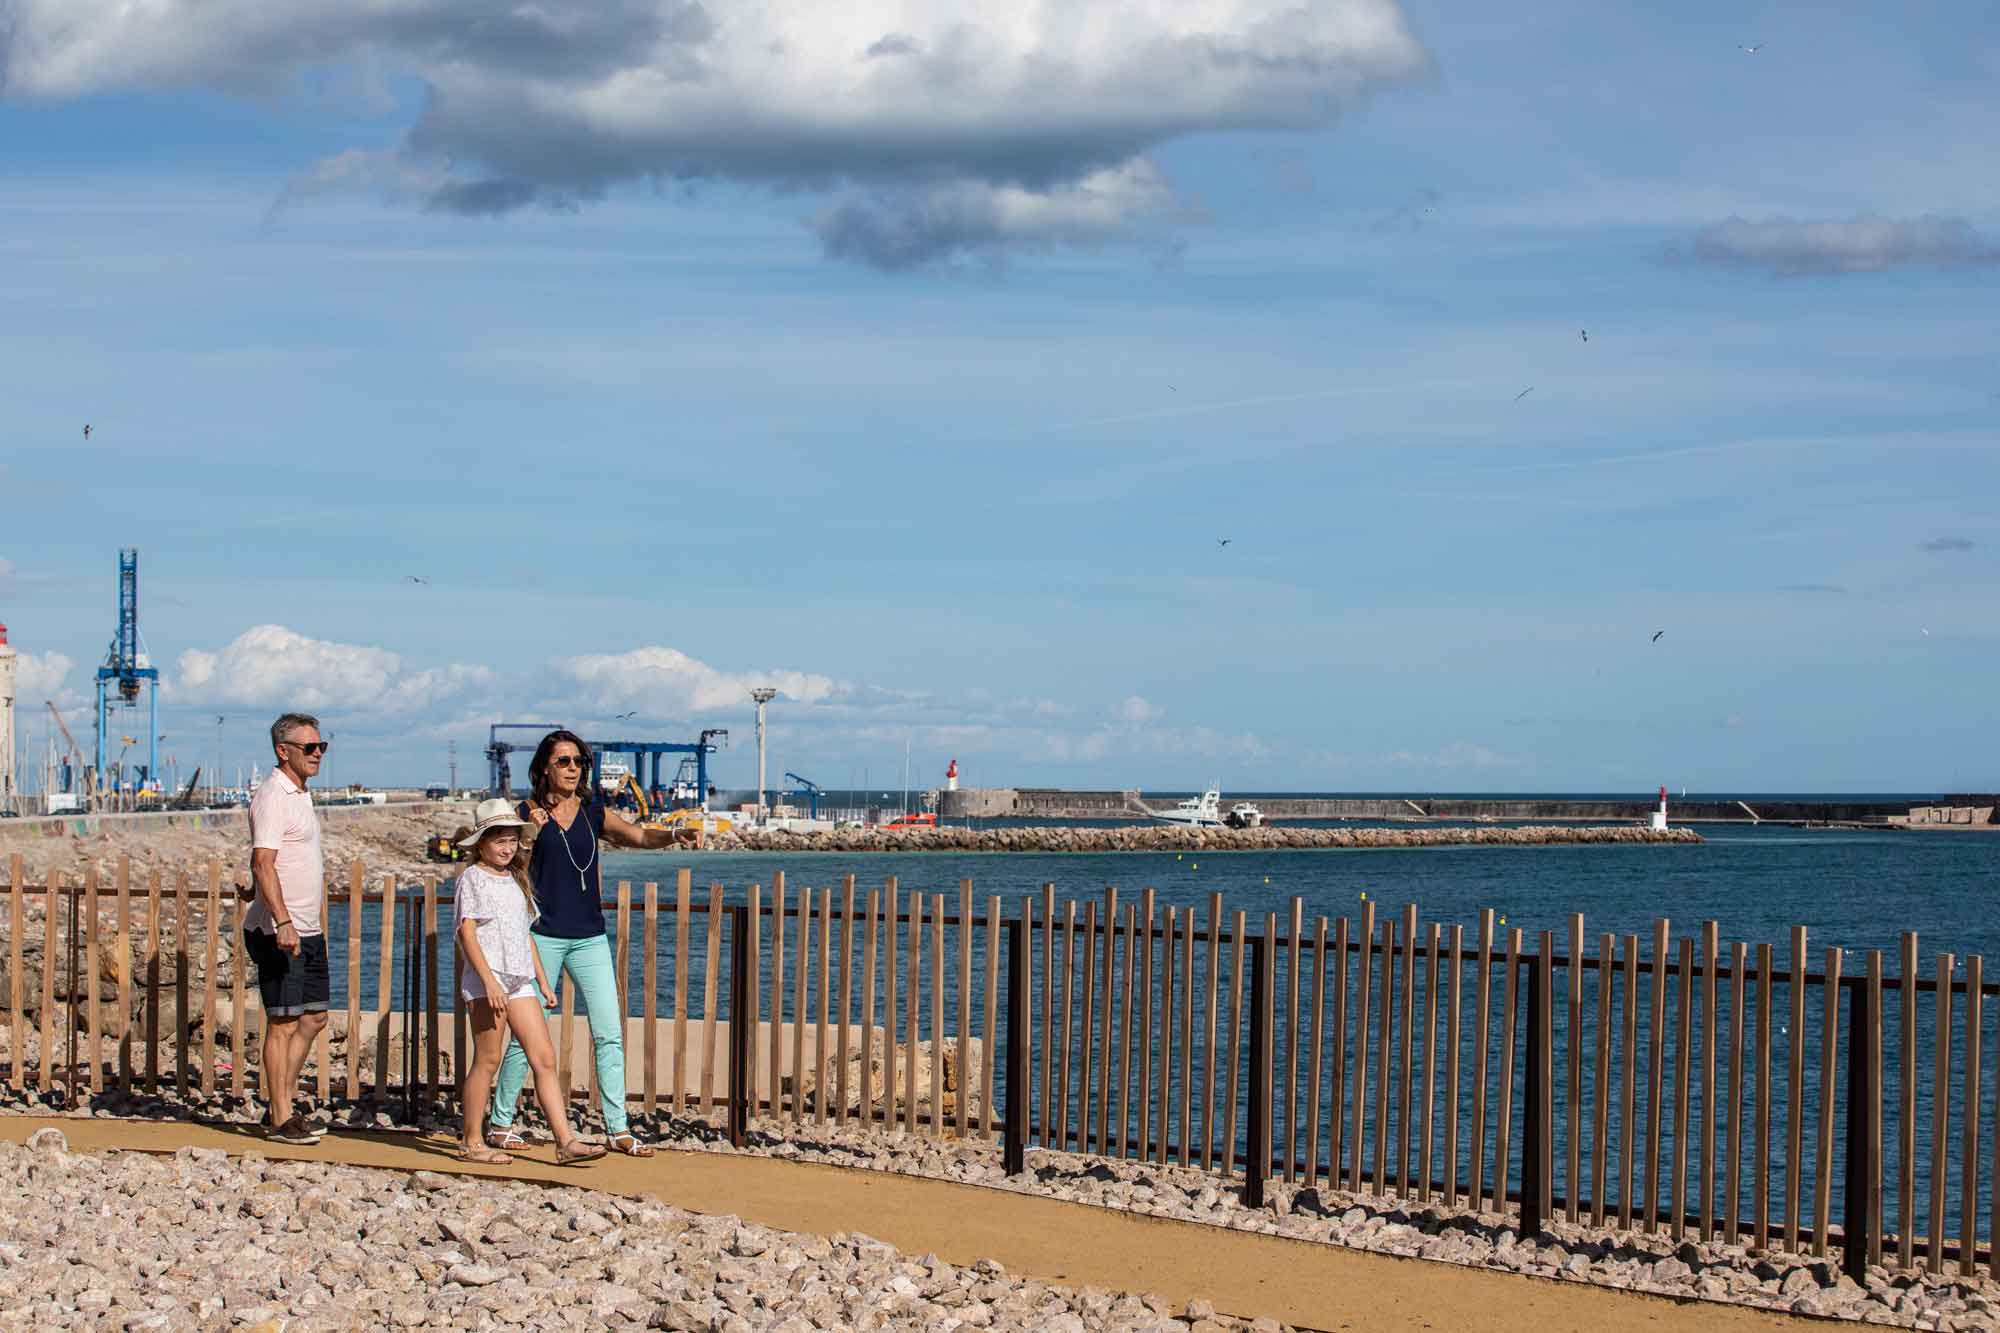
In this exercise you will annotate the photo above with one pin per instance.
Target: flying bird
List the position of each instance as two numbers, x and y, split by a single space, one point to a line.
414 579
1656 635
1750 50
1927 634
1583 334
1221 542
1524 393
86 430
623 716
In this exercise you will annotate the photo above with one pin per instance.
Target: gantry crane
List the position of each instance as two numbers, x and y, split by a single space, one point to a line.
126 671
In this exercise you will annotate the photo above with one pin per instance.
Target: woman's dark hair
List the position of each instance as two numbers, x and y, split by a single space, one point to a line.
538 767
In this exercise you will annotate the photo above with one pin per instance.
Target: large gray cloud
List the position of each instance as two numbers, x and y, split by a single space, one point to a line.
950 125
1792 248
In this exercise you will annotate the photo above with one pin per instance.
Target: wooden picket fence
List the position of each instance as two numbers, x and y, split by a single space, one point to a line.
1638 1085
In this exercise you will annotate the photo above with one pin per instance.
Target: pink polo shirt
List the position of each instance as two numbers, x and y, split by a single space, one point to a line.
282 819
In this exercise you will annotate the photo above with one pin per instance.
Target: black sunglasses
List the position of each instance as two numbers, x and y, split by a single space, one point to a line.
309 748
566 761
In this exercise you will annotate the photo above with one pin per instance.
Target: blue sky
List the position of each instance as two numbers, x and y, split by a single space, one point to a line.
932 412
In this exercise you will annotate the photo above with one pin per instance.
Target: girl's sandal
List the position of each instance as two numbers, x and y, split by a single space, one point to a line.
578 1151
484 1157
504 1139
630 1144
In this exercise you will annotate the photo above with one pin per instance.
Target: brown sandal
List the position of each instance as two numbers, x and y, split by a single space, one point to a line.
577 1152
484 1157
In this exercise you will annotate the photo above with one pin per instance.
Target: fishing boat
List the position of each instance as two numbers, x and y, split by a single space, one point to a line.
1203 811
1244 815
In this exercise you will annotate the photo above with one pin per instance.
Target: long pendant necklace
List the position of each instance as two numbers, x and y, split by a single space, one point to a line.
591 859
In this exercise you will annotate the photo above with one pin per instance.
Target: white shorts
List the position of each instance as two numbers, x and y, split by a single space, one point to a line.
516 988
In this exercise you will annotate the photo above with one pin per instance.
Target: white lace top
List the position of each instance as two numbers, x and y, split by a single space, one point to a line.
496 902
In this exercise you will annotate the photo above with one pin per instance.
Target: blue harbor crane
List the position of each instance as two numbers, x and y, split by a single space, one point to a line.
808 789
127 671
500 778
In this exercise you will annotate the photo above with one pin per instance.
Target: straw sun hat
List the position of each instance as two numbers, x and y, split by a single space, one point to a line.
490 815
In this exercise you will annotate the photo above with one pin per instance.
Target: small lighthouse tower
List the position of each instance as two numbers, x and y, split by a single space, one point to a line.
1660 815
951 777
7 778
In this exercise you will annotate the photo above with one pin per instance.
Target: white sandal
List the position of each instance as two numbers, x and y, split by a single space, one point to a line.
505 1140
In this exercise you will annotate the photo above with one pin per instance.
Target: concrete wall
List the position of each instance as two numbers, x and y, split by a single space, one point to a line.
85 826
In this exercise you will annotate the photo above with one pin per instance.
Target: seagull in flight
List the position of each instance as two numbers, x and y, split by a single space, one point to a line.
1750 50
1583 334
624 716
1927 634
1656 635
86 430
1221 542
1524 393
414 579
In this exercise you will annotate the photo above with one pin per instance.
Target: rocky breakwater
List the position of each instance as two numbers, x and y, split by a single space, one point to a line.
1168 838
201 1240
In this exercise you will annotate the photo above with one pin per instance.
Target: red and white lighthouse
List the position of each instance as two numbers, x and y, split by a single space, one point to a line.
951 778
1660 815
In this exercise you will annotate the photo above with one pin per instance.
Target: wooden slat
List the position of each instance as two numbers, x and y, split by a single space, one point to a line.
1628 1137
1656 1033
124 939
1103 1018
1455 980
755 923
1044 1123
1337 1090
622 953
152 961
181 980
1147 1041
1941 1110
891 894
1123 1115
1482 1009
1068 1036
1732 1193
1573 1050
683 922
1683 1063
357 889
801 974
91 1048
17 928
823 980
1260 1135
711 1042
1316 1046
1906 1110
649 1002
1365 968
1760 1154
1385 1045
937 1018
843 1043
1795 1118
1297 934
1168 961
1829 1088
990 1028
871 910
1509 994
239 1013
1709 1083
1404 1023
965 1070
1600 1110
1208 1046
1087 1051
1228 1157
1187 1033
385 976
1431 998
1968 1188
1873 982
913 1003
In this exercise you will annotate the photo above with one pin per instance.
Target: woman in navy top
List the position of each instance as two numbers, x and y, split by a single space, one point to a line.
570 821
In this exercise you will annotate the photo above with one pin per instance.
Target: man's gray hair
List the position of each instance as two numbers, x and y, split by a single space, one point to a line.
287 723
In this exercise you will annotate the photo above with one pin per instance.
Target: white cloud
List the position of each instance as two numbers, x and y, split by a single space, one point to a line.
41 677
270 666
991 126
1866 244
1136 709
666 682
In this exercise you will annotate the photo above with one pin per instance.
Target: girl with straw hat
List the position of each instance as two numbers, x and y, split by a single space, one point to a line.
504 983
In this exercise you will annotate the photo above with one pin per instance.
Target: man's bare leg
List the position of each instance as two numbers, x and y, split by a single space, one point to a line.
305 1032
280 1067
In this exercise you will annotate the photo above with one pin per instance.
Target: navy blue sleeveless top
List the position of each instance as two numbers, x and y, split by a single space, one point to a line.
563 865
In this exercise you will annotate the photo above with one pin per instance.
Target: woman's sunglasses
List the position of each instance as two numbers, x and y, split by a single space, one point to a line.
566 761
310 747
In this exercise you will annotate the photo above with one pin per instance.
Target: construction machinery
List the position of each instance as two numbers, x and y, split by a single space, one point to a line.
127 672
808 789
80 772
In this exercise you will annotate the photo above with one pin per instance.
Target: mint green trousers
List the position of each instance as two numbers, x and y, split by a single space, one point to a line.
588 962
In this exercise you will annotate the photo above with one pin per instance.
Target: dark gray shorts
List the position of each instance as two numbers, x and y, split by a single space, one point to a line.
291 984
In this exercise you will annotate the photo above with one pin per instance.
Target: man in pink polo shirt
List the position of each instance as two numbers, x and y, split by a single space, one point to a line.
282 931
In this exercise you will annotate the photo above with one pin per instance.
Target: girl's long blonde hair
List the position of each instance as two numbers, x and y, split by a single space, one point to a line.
518 867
